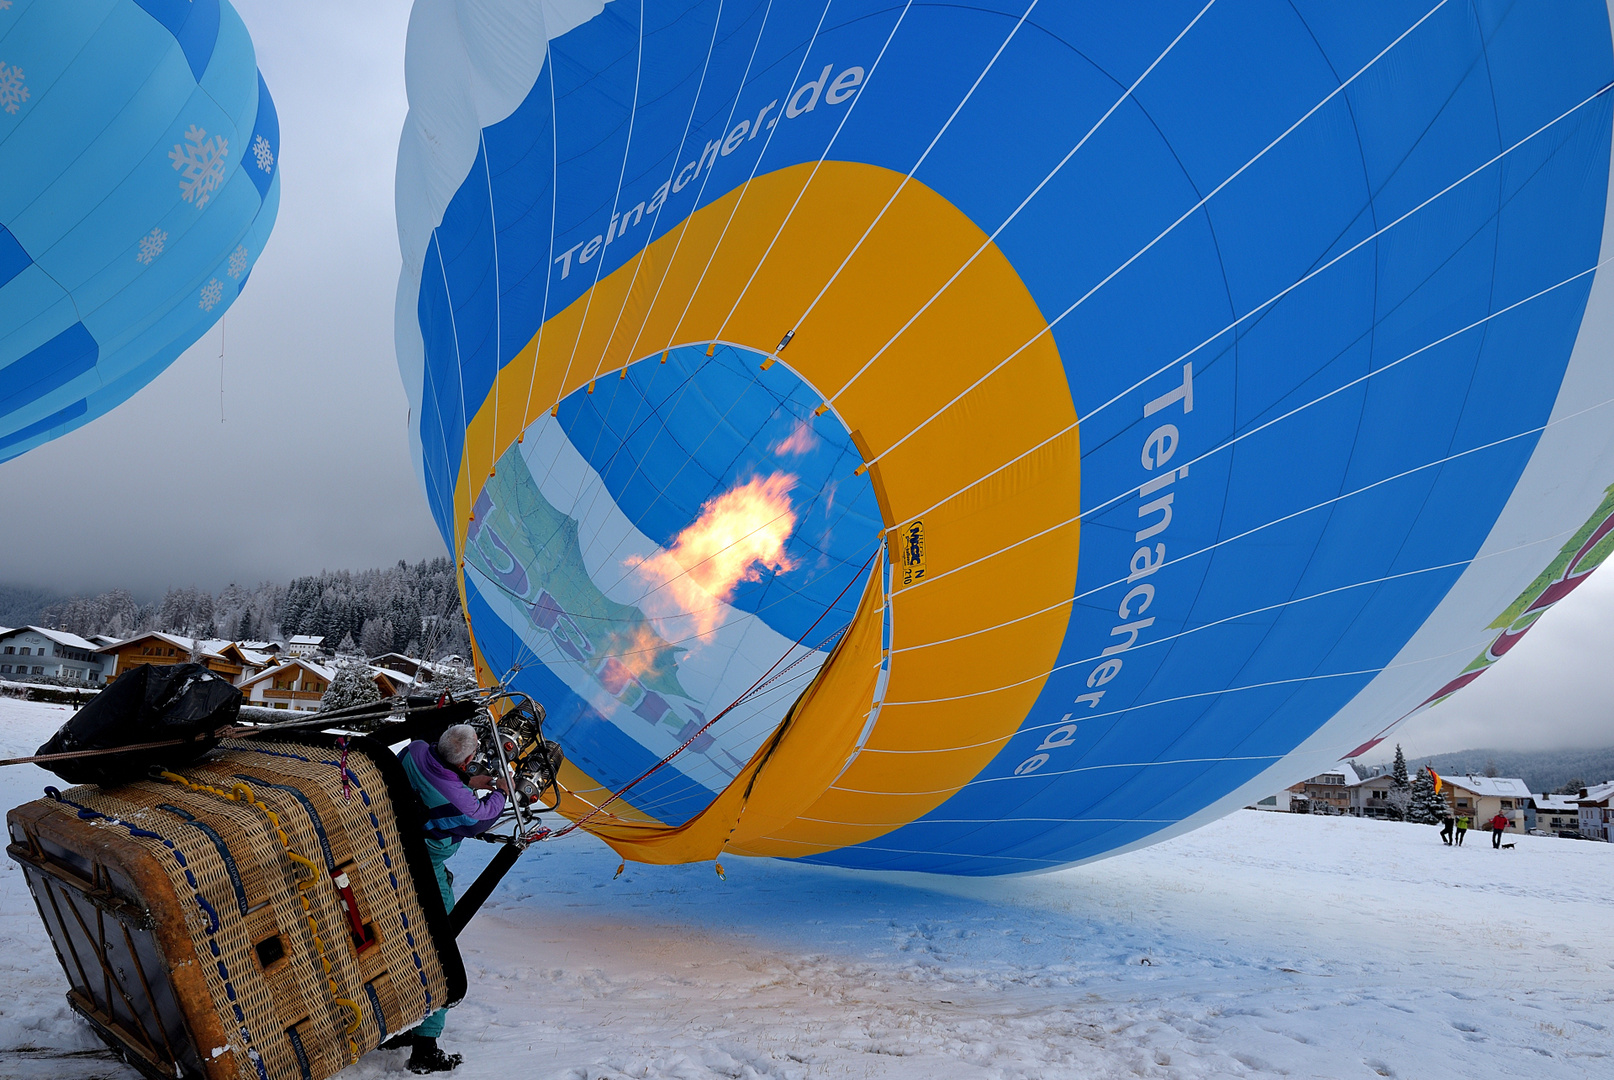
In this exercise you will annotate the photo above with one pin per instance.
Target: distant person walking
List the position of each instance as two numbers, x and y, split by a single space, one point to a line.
1447 824
1462 827
1499 825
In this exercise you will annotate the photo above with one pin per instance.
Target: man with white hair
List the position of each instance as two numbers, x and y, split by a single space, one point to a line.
454 810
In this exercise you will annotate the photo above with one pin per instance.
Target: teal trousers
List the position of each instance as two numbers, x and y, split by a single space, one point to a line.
433 1025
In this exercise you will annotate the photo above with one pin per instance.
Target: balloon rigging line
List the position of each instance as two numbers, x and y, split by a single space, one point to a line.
651 650
1045 864
554 221
745 188
1190 212
687 386
1269 524
446 499
672 173
1039 774
921 160
1454 564
498 302
688 460
694 772
755 691
1279 296
1262 427
1125 96
221 369
683 571
616 199
1055 820
1370 671
683 226
636 523
847 115
459 366
1259 307
620 792
549 273
763 682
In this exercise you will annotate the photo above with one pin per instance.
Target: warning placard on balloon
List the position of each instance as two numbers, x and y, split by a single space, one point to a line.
911 552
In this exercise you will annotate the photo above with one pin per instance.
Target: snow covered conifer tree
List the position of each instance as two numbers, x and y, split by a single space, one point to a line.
351 685
1399 797
449 679
1426 807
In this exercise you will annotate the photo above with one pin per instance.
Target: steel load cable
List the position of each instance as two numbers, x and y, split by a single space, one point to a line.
754 687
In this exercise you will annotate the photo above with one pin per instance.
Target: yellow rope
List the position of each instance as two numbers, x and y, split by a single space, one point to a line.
243 793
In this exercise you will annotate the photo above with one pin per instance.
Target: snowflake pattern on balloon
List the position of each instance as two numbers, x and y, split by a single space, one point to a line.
12 92
238 262
151 246
201 163
264 153
211 294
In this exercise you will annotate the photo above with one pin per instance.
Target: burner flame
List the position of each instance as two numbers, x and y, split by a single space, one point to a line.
738 535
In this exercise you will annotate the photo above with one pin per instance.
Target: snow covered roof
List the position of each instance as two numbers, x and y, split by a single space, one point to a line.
395 676
1341 769
1382 779
173 639
60 637
293 662
255 657
1505 787
1600 793
307 639
1556 804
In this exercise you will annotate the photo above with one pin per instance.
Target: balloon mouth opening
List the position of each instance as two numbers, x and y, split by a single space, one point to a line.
660 544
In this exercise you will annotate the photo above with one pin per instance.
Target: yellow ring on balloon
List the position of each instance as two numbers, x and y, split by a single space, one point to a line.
821 790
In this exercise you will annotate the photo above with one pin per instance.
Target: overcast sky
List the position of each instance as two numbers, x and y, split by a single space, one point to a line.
310 469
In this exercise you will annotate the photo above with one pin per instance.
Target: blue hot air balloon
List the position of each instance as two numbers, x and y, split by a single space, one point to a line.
976 439
138 184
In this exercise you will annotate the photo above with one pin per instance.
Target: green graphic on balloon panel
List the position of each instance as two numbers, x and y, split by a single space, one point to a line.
613 642
1583 553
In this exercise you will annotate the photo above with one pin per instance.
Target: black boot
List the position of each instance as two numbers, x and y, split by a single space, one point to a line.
426 1058
402 1041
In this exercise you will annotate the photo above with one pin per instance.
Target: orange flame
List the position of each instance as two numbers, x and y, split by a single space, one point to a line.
737 535
801 440
642 652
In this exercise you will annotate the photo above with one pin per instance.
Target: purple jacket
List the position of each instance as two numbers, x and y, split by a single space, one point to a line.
453 810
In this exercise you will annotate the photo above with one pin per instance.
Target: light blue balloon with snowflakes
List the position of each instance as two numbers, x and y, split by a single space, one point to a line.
139 179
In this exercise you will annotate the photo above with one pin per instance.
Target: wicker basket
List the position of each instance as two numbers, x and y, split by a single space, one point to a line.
200 922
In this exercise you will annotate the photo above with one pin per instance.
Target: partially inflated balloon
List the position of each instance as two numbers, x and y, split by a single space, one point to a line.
138 184
980 438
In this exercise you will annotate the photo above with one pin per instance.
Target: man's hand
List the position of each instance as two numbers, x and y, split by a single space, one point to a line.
482 782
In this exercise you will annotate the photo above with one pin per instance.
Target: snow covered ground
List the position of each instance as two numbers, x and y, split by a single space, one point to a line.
1263 945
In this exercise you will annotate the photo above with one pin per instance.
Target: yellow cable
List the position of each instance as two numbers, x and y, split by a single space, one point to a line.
242 792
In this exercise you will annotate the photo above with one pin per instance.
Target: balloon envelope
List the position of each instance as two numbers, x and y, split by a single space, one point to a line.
138 184
975 440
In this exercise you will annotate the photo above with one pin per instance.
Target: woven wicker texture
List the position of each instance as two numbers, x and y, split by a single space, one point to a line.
300 1018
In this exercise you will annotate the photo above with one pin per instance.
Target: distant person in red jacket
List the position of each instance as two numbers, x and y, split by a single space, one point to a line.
1499 825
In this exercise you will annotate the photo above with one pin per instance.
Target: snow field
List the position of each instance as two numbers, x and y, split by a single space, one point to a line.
1263 945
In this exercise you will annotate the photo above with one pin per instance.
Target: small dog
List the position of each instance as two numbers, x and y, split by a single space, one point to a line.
1507 847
